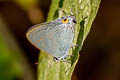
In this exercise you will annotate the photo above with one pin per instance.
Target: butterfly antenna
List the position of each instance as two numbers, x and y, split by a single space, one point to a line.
62 11
71 13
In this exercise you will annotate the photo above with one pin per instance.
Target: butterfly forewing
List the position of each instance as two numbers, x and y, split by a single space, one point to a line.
38 32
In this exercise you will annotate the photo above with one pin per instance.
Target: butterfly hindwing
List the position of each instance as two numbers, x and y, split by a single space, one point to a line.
51 37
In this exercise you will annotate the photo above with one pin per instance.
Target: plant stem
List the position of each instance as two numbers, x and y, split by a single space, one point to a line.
85 12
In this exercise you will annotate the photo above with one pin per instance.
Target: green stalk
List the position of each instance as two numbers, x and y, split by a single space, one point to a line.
85 12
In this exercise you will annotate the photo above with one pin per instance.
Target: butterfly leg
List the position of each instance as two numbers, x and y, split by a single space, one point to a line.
65 54
74 45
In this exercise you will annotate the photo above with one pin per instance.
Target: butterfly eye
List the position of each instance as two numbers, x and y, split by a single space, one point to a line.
74 21
65 21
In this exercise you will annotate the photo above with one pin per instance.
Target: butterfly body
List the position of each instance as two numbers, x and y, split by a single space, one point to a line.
53 37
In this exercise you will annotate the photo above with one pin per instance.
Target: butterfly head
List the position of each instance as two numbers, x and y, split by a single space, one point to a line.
68 20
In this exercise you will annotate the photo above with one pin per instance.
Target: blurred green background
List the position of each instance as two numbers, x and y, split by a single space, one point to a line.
100 56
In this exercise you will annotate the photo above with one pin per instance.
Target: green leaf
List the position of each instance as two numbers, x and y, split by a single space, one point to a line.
85 12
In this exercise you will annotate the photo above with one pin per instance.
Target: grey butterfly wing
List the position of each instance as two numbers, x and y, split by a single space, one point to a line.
39 35
62 39
51 38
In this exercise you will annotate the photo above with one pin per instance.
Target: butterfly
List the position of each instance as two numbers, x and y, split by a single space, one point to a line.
55 37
